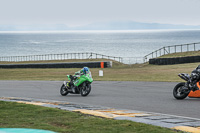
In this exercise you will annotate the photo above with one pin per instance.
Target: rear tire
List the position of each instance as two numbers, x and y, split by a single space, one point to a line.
85 90
63 90
178 93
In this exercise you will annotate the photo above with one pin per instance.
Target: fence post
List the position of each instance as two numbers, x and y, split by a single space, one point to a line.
160 51
156 53
194 47
175 48
181 48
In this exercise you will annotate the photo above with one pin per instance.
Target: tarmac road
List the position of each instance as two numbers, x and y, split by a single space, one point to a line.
142 96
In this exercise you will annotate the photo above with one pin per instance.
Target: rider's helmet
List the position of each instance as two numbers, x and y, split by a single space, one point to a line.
85 70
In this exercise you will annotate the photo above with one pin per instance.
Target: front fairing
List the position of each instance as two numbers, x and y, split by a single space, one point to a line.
195 94
68 76
83 78
184 76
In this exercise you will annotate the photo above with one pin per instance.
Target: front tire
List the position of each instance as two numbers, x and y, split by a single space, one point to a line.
85 90
63 90
178 91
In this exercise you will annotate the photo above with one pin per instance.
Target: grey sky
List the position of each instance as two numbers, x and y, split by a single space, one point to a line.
81 12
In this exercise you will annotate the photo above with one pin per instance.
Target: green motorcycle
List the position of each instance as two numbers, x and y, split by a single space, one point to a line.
78 84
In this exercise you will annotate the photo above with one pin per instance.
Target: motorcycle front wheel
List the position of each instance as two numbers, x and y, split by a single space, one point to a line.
63 90
180 92
85 90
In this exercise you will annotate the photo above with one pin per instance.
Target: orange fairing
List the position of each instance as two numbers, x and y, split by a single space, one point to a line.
198 85
195 93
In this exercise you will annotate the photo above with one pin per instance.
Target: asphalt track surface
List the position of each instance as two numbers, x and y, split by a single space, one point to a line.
142 96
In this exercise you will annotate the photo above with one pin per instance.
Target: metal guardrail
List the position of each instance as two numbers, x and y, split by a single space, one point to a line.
63 56
172 49
132 60
88 55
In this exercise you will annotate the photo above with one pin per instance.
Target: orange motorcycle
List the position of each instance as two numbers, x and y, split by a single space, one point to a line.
190 88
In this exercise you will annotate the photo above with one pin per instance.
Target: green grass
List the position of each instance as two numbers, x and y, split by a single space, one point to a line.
181 54
17 115
119 72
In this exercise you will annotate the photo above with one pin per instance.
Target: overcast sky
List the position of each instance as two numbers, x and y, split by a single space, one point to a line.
81 12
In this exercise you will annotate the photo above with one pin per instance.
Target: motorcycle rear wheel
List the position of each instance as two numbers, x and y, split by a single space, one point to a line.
85 90
178 92
63 90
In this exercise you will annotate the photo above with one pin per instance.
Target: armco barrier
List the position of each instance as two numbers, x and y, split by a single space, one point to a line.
177 60
60 65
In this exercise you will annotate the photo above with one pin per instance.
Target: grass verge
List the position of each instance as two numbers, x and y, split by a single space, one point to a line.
17 115
181 54
119 72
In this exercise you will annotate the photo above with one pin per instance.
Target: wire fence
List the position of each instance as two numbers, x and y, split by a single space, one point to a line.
172 49
63 56
66 56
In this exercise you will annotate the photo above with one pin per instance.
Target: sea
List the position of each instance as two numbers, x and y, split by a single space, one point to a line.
126 44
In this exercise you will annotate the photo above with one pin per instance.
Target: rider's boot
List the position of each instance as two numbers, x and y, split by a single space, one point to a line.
68 85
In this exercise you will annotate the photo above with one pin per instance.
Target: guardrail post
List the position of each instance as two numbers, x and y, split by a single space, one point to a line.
175 48
160 52
181 48
121 60
156 54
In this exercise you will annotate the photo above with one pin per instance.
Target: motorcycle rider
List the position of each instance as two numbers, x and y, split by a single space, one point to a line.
195 77
83 71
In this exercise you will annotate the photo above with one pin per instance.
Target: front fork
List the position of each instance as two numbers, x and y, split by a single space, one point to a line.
65 84
192 85
69 86
186 88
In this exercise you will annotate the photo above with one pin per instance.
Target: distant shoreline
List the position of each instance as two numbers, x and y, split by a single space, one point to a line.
104 31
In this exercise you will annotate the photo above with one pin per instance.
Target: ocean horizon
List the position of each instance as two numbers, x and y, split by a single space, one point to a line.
119 43
66 31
